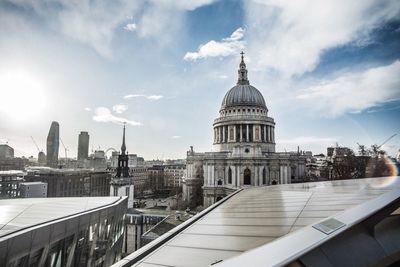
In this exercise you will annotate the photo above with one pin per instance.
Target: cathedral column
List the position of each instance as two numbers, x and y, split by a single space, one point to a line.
265 133
213 174
223 134
233 168
234 133
247 133
269 134
241 133
255 176
273 134
205 167
237 176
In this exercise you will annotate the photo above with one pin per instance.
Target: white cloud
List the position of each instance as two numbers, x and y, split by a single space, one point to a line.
290 36
354 92
94 22
120 108
103 114
131 27
226 47
176 136
87 109
183 5
149 97
164 20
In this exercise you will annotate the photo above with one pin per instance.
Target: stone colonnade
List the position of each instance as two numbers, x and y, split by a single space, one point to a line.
244 133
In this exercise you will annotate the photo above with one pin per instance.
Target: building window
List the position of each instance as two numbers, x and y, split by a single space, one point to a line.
229 175
247 177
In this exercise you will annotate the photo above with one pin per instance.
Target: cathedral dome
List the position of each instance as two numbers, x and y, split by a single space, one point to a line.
243 94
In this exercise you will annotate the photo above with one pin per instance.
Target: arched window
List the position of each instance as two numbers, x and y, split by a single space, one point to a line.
247 177
219 182
264 176
229 176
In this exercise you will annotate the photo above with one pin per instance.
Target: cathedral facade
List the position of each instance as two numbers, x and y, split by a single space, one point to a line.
243 149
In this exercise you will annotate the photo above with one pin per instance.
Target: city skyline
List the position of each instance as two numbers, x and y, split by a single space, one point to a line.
164 67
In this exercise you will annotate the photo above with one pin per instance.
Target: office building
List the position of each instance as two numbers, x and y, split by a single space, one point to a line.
62 231
83 146
53 143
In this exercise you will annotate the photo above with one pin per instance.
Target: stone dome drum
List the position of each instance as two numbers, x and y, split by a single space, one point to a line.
243 95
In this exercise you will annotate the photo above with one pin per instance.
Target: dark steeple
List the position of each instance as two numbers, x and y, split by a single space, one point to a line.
123 147
242 72
123 169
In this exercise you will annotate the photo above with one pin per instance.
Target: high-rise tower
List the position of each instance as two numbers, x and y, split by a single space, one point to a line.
83 146
53 143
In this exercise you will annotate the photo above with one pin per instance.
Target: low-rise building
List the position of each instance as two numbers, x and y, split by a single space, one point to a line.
140 176
174 174
10 183
33 189
6 152
71 183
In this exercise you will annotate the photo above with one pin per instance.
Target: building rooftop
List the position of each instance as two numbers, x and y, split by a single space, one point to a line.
33 183
12 173
21 214
254 218
48 170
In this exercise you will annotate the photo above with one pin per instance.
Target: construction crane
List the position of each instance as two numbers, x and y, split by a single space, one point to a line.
65 149
387 140
375 148
33 140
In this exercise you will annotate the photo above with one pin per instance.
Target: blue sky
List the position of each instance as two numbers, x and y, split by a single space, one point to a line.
328 70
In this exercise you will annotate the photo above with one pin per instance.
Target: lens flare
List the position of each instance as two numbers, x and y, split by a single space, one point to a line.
392 177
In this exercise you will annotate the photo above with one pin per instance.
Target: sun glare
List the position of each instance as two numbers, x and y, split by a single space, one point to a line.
22 96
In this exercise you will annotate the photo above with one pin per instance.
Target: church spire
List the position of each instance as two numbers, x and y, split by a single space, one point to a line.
242 72
123 147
